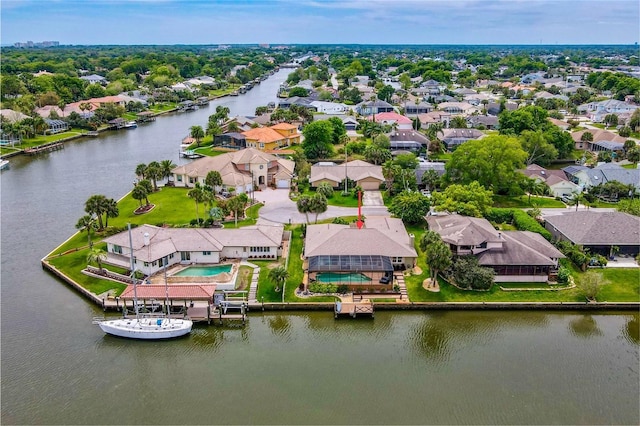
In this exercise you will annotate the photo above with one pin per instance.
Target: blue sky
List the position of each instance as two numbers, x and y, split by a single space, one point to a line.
317 21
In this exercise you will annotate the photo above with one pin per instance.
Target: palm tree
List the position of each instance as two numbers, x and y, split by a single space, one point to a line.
318 205
111 210
141 171
304 206
236 205
576 199
431 179
154 172
166 166
87 223
199 195
533 187
233 127
146 184
139 193
197 133
278 275
96 205
97 255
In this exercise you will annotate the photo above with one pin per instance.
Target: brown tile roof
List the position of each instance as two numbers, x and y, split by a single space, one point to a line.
263 134
599 135
521 248
463 230
283 126
176 292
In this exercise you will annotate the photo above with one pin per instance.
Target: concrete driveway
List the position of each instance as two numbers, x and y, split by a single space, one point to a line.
372 198
279 208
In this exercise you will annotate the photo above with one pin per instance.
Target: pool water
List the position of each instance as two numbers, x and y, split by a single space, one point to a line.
333 277
203 271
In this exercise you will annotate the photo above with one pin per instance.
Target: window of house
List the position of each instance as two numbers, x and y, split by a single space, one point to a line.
261 145
396 259
179 178
117 249
206 253
191 180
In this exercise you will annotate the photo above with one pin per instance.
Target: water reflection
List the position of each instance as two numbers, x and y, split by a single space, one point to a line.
632 329
584 326
280 326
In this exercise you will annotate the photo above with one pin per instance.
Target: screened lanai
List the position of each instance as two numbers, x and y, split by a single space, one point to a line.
351 269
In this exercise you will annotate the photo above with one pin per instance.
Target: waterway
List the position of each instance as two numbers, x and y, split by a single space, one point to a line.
305 368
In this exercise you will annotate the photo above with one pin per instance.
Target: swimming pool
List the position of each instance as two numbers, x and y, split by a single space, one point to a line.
203 271
333 277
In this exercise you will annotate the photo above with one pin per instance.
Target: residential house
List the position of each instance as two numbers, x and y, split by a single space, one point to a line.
359 258
241 170
156 247
453 138
374 107
12 116
368 176
56 126
488 122
457 108
562 124
586 177
424 166
434 117
596 111
515 256
94 79
420 108
278 136
411 140
556 180
493 108
393 119
598 232
330 107
599 135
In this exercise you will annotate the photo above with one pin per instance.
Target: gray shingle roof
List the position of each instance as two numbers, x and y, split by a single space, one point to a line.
597 228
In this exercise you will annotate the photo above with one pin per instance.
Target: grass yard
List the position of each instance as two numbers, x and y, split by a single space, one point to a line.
523 202
337 199
630 166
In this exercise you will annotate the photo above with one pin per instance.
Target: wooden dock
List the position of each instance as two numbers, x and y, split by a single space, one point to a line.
211 313
53 146
353 309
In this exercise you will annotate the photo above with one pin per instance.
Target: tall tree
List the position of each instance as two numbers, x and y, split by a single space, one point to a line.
236 205
411 207
197 133
199 195
154 172
318 204
139 193
111 210
538 149
318 137
304 206
438 258
166 166
492 161
96 205
468 200
141 171
86 223
213 179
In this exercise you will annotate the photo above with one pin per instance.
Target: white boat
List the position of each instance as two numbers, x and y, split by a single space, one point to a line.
153 327
4 164
150 328
130 125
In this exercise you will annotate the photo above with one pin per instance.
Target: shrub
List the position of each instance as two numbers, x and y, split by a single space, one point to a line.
467 274
524 222
343 289
563 275
498 215
325 189
323 288
339 221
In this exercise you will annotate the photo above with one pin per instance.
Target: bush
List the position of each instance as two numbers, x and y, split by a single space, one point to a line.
323 288
325 189
498 215
524 222
339 221
343 289
467 274
563 275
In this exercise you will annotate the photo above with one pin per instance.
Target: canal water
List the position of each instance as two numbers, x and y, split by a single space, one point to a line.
304 368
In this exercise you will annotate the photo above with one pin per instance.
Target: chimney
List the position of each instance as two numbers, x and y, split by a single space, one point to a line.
146 239
412 240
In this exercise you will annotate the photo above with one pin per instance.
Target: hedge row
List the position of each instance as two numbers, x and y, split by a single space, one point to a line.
519 218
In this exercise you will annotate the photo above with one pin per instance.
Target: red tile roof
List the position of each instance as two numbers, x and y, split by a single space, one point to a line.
176 292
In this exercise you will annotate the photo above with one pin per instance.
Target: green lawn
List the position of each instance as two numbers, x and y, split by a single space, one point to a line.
523 202
630 166
337 199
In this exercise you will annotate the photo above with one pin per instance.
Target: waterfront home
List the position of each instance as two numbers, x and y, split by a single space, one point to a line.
156 247
411 140
374 107
366 175
241 171
515 256
598 232
281 135
230 140
344 254
330 107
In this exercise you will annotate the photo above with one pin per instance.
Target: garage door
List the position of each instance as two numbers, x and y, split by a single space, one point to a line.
282 183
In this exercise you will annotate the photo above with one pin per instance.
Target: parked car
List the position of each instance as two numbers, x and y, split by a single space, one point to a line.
426 193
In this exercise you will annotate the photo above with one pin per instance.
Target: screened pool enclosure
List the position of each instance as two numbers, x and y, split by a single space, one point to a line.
351 270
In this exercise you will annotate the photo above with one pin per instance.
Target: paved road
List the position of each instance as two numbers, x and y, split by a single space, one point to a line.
279 208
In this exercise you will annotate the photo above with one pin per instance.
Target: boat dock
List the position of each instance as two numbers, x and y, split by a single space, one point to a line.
353 309
53 146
